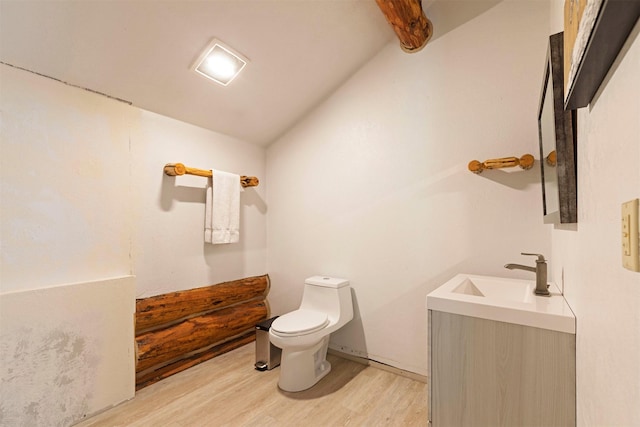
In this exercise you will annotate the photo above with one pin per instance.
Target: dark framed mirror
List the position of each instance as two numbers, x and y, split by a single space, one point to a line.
557 136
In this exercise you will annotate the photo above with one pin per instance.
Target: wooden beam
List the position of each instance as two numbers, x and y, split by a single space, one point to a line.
409 22
177 330
166 309
163 346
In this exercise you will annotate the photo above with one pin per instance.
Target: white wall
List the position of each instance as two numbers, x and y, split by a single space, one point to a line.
66 215
604 296
66 351
66 218
373 185
84 199
168 249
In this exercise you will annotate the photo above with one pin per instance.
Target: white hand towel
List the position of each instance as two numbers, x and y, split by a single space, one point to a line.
222 212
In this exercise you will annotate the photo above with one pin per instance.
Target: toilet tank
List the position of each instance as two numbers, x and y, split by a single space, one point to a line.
326 281
331 295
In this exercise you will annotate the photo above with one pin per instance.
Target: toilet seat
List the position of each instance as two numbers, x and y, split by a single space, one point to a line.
299 322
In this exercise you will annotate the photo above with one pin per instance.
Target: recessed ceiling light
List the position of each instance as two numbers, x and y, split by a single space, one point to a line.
219 63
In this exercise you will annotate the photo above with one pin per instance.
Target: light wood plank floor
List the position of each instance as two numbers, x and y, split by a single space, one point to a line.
227 391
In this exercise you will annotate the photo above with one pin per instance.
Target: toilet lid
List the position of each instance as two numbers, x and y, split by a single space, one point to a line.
300 322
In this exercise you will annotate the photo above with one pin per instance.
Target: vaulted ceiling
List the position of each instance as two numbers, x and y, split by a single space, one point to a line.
141 52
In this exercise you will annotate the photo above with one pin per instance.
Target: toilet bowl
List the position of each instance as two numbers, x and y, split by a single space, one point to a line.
303 334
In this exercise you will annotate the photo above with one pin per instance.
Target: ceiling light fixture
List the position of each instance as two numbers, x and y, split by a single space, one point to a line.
219 63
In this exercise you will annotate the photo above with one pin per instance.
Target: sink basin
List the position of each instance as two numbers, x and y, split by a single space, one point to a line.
503 300
495 287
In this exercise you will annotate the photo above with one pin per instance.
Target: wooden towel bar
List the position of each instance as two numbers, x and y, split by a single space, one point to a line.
525 162
173 169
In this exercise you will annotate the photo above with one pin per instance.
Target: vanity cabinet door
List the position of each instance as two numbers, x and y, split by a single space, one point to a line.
488 373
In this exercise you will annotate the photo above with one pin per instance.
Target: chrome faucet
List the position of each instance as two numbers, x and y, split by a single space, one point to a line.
541 273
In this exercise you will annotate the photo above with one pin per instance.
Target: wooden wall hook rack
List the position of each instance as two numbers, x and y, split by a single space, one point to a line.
174 169
525 162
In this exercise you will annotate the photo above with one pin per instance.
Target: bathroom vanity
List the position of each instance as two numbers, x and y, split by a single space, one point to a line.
500 355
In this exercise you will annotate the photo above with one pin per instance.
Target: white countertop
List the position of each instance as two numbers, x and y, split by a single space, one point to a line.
503 300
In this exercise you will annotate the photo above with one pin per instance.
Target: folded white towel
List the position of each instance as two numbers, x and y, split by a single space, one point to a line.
222 212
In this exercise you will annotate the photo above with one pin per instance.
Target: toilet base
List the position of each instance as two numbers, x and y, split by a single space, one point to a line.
302 369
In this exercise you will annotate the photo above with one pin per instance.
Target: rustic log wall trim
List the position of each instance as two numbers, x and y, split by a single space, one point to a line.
408 21
178 330
163 310
165 345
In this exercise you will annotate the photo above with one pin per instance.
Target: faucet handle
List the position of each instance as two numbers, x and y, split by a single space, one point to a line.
540 256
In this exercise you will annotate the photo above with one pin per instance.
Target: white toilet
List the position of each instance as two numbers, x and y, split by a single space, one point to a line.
303 335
